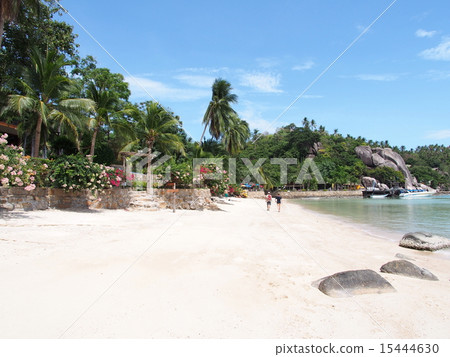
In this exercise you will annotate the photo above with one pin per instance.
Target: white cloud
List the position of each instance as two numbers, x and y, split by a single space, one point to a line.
424 33
440 52
262 82
304 66
437 75
439 134
377 77
147 89
267 62
196 81
253 114
255 118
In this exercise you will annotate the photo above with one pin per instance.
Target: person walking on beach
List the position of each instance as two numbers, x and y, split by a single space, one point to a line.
268 200
278 198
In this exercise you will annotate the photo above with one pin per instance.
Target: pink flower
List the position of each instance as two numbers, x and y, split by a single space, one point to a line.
30 187
4 181
3 139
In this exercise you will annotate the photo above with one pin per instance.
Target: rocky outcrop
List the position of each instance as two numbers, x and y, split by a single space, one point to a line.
424 241
369 182
355 282
405 268
385 157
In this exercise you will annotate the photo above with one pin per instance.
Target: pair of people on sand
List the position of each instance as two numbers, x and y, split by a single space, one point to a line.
269 201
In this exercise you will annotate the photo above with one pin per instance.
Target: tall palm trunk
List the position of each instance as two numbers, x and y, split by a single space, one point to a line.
2 29
94 138
37 137
149 169
203 134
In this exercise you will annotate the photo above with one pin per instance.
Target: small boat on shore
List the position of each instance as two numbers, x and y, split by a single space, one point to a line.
403 193
397 193
377 194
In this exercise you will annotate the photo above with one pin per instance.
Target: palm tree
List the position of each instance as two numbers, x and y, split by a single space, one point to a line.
106 103
156 125
236 135
9 10
219 110
46 90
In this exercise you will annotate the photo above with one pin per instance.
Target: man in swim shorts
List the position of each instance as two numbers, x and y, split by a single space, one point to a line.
278 198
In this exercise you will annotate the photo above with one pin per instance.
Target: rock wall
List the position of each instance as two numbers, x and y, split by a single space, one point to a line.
193 199
44 198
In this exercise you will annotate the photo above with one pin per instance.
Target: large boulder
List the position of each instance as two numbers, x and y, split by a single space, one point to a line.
424 241
365 154
405 268
355 282
391 165
377 160
385 157
369 182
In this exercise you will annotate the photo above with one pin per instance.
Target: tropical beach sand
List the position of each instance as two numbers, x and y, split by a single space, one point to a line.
241 272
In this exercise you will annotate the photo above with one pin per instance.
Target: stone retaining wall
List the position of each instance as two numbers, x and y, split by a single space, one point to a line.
43 198
309 194
194 199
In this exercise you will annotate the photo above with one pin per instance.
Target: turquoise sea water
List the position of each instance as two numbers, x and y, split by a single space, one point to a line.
430 214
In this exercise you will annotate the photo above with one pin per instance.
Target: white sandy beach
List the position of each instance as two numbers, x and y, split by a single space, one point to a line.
241 272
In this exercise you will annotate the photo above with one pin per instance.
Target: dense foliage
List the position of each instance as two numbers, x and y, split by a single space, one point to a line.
429 164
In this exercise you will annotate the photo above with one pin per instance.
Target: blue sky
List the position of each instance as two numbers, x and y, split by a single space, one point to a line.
393 84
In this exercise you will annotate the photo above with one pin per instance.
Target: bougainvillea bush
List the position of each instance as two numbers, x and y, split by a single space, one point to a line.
116 176
212 176
14 168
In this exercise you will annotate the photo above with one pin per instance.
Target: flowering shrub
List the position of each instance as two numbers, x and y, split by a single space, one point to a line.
115 176
216 185
42 168
14 168
77 172
180 173
235 190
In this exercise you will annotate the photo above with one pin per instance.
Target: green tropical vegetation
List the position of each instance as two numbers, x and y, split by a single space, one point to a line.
75 118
